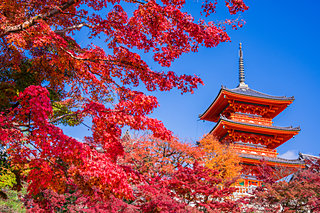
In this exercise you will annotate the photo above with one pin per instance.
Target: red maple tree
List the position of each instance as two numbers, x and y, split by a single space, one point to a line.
173 178
299 194
48 78
152 157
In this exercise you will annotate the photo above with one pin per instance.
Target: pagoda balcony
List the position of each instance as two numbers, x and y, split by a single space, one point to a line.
248 118
243 149
243 191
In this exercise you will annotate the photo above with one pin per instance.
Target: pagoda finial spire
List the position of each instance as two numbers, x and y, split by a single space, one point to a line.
241 68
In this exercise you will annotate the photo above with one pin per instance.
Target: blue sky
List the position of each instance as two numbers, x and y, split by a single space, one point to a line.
281 56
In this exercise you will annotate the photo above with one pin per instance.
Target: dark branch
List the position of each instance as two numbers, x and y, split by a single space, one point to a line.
72 28
29 23
121 63
62 116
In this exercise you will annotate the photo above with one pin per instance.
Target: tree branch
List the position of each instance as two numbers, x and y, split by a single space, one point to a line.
72 28
136 1
29 23
18 126
62 116
121 63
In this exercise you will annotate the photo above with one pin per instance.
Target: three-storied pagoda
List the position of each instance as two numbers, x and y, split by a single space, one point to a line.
244 118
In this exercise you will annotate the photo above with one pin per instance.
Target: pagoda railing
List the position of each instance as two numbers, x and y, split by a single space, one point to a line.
255 151
243 191
251 119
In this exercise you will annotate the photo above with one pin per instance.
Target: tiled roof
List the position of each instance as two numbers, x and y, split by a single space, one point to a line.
249 177
307 156
272 159
244 90
290 128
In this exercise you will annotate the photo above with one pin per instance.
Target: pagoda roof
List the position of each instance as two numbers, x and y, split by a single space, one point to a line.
245 90
303 156
308 159
289 128
272 159
246 95
286 166
285 133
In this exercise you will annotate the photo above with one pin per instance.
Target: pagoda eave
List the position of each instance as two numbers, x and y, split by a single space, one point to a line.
282 167
227 99
276 161
213 111
271 136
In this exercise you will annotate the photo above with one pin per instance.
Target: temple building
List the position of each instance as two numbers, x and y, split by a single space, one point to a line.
243 116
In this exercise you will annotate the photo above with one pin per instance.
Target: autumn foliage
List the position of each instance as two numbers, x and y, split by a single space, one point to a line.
221 157
48 76
173 177
152 156
300 193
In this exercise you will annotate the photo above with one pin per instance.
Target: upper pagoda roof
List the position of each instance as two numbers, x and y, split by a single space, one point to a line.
245 90
245 95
